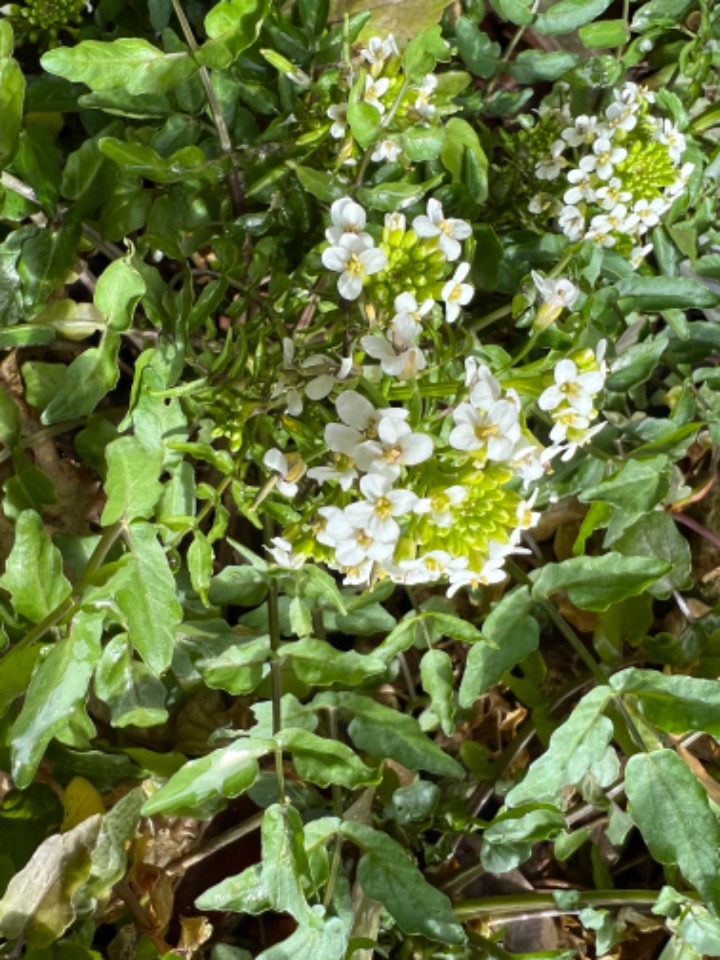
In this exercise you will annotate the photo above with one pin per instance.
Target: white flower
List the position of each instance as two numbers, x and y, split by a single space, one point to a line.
620 219
572 222
379 49
582 188
395 221
429 567
399 356
425 91
286 469
666 132
603 159
648 212
374 90
281 552
682 181
354 261
348 219
577 432
576 389
528 461
396 446
558 293
638 254
601 232
612 193
585 130
549 168
387 149
440 504
492 570
484 388
338 114
448 231
326 373
490 433
357 575
455 293
545 203
344 472
621 116
357 412
376 514
353 544
527 518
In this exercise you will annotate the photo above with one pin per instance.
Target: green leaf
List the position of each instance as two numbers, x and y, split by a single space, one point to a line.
323 761
109 858
567 15
37 905
326 941
246 892
514 635
659 293
636 364
118 291
595 583
58 687
383 732
516 11
479 53
462 151
414 802
318 663
318 184
574 747
422 53
438 680
395 196
139 160
422 143
241 586
635 490
133 694
656 535
386 873
404 635
12 100
509 839
89 377
18 664
147 598
33 572
285 862
232 26
673 814
239 668
132 64
363 118
700 931
200 565
675 704
201 788
132 484
605 33
536 66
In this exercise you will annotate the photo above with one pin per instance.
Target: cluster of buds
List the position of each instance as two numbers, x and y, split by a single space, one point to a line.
42 21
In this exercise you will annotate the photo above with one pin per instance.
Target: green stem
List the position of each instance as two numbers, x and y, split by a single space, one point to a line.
519 33
489 319
218 119
275 674
502 909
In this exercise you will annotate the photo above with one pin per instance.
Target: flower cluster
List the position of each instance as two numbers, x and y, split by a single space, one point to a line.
399 105
419 496
611 178
407 264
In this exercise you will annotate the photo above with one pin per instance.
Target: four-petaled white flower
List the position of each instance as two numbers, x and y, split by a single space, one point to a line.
603 159
281 552
456 294
348 220
354 261
399 355
447 230
549 168
382 504
441 503
572 387
425 91
387 149
491 434
379 49
396 446
584 131
558 293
